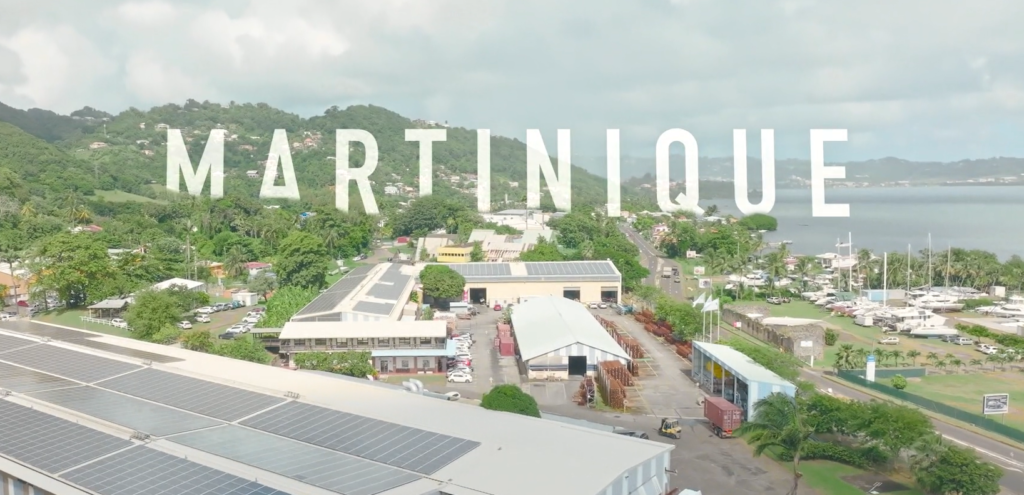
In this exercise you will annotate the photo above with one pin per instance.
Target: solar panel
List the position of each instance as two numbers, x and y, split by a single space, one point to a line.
49 443
403 447
67 363
126 411
145 471
336 293
482 269
581 268
373 308
9 343
322 468
388 292
43 330
125 351
192 394
23 380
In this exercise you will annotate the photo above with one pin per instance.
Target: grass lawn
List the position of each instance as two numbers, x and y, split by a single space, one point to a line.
964 391
122 197
826 477
73 318
431 382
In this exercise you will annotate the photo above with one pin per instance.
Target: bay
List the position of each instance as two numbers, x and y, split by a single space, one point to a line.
887 219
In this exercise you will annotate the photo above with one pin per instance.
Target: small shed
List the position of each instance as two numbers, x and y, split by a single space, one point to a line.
108 308
246 298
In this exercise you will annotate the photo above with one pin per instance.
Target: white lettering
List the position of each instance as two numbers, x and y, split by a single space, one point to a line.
426 138
614 174
538 161
483 170
686 201
280 153
345 174
210 164
819 172
739 157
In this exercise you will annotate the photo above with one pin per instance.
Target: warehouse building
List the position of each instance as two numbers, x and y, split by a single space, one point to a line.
725 372
504 283
130 417
559 338
395 346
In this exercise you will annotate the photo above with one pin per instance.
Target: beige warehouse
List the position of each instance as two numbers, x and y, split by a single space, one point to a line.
504 283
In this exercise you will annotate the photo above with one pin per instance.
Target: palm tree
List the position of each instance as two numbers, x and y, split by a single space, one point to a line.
778 422
992 359
897 356
975 362
940 364
932 357
775 266
864 262
926 450
862 356
956 363
949 356
913 355
804 268
846 358
234 262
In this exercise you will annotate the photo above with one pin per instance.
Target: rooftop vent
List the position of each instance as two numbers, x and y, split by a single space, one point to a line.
291 395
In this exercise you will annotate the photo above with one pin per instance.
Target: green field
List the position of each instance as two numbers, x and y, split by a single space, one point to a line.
964 391
826 477
122 197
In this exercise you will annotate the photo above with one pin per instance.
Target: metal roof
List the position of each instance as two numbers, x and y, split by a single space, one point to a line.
323 435
372 289
540 271
740 364
545 324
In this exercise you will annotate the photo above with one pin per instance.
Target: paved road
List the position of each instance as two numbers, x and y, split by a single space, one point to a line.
996 452
651 258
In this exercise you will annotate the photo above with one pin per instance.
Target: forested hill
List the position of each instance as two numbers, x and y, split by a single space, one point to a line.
127 152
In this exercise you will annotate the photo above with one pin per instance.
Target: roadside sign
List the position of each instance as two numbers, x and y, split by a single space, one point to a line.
995 404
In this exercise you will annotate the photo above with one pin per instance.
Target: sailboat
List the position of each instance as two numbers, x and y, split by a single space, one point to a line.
936 301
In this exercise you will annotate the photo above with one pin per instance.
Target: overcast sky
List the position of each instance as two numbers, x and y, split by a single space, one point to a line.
922 80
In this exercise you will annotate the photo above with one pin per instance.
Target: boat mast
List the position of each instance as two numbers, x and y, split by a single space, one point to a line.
949 256
851 262
908 269
885 279
931 276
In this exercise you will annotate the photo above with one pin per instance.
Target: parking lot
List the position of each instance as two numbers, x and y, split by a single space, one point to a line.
489 368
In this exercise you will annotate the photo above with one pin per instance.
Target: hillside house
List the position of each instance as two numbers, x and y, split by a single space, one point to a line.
252 174
97 145
391 190
17 281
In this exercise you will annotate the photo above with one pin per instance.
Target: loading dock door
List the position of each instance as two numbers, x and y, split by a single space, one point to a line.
610 294
577 365
571 293
477 295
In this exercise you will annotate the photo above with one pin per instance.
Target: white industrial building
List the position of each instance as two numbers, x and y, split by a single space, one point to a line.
182 283
367 293
504 283
558 337
91 414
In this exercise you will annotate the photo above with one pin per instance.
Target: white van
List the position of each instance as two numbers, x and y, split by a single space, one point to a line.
461 307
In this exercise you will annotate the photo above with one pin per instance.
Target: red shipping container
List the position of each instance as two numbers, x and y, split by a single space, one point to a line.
507 347
725 417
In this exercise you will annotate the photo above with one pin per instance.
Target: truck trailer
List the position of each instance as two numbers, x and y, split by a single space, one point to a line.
725 417
666 273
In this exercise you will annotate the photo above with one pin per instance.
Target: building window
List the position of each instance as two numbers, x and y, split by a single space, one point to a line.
320 342
404 342
383 343
341 343
426 341
426 364
405 364
363 343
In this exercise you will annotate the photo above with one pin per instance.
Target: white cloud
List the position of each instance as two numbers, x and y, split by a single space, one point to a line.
953 70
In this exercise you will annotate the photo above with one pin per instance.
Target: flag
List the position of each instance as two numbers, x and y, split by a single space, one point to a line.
711 305
700 300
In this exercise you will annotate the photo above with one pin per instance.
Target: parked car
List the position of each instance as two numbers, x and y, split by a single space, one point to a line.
184 325
203 318
453 395
962 341
460 377
774 300
632 433
990 349
889 340
119 323
227 336
205 310
251 319
983 347
602 305
497 307
593 305
237 329
8 316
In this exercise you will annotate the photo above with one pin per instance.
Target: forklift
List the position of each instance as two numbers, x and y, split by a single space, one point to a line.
670 428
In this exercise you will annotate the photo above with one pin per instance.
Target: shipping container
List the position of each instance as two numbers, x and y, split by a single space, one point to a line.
725 417
506 347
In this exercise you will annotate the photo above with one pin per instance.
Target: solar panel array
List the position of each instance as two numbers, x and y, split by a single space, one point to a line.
49 443
468 270
125 351
577 268
318 467
67 363
126 411
142 470
336 293
192 394
9 343
43 330
399 446
23 381
374 308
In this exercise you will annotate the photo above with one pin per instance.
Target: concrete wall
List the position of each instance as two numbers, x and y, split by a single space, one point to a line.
651 475
10 485
505 293
787 338
409 364
556 362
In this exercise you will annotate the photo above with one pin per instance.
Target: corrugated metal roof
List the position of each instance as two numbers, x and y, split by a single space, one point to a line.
544 324
740 364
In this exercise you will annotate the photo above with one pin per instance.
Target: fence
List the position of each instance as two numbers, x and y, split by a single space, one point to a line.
974 419
890 372
101 321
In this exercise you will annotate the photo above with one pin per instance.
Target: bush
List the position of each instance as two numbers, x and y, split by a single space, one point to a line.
831 337
759 221
970 304
899 382
865 457
510 398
